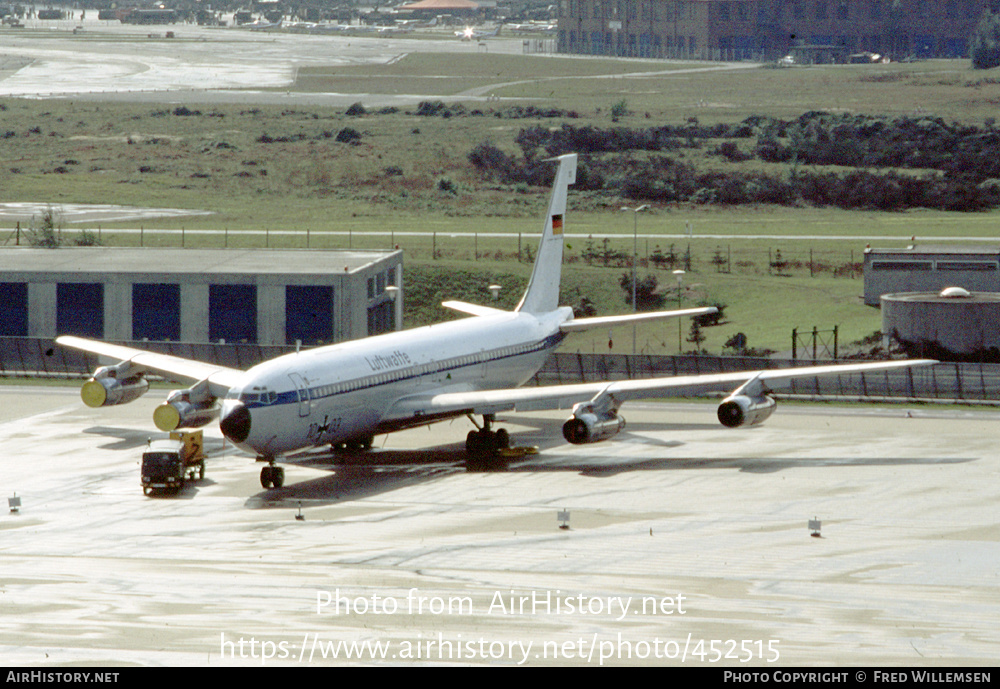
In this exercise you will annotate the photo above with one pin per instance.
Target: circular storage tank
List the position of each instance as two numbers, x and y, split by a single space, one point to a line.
953 324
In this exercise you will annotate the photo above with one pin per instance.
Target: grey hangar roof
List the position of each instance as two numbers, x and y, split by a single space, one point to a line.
154 261
259 296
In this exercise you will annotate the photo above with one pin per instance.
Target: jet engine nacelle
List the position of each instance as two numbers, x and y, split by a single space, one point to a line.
590 427
106 390
180 411
741 410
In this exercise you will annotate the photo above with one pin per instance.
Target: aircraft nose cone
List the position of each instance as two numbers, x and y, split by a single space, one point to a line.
235 424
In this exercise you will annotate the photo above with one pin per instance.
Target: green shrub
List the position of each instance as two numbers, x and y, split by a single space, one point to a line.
984 45
619 110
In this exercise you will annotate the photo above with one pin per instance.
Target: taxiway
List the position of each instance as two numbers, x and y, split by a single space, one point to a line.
404 556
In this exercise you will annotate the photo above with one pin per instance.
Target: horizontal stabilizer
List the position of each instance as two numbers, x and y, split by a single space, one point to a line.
473 309
578 324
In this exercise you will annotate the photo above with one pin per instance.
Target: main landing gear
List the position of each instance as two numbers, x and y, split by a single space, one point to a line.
485 440
359 444
271 476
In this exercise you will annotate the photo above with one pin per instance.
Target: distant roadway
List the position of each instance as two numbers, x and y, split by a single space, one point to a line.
110 61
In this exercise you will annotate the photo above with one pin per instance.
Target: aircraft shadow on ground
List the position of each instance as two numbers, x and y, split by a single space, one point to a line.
125 438
357 475
351 482
131 438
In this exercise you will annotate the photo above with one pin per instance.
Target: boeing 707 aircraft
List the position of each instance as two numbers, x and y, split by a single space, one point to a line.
347 393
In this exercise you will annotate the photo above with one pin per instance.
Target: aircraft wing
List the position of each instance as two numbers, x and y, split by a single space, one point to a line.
220 378
565 396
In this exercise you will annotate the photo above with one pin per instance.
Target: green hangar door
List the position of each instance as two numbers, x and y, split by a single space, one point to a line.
156 312
13 309
80 309
232 313
308 314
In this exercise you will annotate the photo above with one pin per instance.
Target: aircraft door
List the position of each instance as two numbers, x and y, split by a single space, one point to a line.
303 390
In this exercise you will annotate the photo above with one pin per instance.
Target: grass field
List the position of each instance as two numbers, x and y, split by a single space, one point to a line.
277 169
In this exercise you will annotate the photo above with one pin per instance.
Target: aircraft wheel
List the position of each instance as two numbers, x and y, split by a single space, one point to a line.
487 441
278 478
362 444
201 471
472 442
480 442
267 477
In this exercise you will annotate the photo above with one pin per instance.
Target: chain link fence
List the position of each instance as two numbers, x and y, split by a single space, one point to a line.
946 382
34 357
29 357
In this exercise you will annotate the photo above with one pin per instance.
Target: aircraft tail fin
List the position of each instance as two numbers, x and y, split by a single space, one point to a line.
542 294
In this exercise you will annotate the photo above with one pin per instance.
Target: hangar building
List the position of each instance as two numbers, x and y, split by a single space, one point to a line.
260 296
749 29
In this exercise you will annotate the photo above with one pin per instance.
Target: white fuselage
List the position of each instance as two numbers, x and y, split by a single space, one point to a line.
347 391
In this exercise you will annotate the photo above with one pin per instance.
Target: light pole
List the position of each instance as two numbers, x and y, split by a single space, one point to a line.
393 293
635 256
680 291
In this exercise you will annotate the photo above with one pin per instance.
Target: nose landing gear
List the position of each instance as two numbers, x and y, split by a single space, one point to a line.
271 476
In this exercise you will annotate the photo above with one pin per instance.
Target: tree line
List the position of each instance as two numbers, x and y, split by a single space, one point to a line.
881 163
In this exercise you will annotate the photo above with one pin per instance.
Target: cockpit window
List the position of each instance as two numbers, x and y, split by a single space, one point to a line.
264 397
258 396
